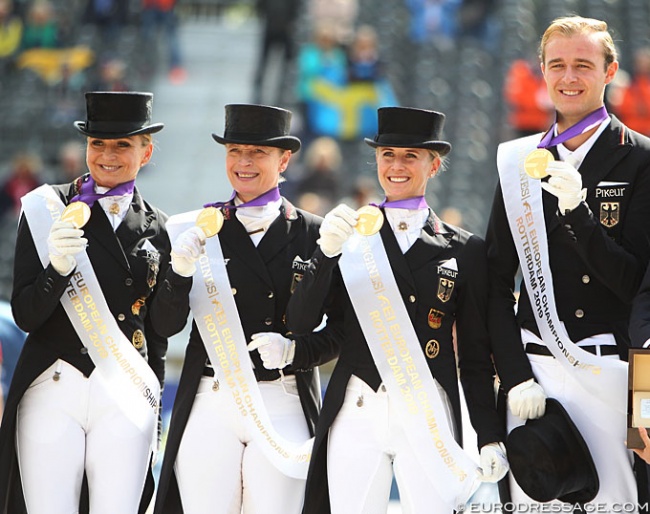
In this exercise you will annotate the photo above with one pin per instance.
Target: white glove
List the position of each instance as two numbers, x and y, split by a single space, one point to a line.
186 250
527 400
494 464
565 182
277 351
63 243
338 225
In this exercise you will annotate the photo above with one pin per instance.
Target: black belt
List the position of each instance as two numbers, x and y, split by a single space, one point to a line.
538 349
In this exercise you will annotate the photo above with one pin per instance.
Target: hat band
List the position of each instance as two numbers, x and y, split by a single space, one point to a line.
400 139
250 136
113 126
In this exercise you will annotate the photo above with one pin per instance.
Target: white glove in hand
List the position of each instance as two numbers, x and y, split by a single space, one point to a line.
63 243
494 464
565 182
338 225
186 250
277 351
527 400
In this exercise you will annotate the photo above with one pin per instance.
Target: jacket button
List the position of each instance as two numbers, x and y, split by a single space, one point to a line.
270 295
233 290
83 350
586 279
121 317
580 313
268 321
129 281
412 298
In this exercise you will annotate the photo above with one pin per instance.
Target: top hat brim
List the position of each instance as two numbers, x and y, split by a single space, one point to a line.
521 462
442 147
100 134
285 142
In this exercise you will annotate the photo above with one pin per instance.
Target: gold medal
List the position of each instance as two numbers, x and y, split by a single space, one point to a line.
370 220
537 161
138 339
210 220
77 213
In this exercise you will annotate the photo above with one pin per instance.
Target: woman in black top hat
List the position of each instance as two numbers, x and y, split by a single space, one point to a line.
408 282
249 395
82 411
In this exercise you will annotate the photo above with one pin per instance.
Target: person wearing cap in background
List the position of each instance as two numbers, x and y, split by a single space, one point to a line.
582 241
82 411
249 395
393 401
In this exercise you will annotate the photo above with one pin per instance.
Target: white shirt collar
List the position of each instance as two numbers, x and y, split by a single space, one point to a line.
576 157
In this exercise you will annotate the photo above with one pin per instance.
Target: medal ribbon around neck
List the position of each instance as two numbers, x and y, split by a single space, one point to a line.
271 195
417 202
538 160
584 125
88 195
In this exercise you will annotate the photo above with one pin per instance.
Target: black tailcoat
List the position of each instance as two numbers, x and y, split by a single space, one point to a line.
125 272
418 275
262 280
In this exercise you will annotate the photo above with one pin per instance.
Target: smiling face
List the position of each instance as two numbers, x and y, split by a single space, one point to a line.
403 172
115 161
576 74
254 170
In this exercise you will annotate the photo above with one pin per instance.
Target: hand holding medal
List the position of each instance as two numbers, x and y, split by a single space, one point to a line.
370 220
77 213
536 163
210 220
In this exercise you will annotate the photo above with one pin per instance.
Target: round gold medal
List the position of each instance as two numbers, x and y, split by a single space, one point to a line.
537 161
77 213
210 220
370 220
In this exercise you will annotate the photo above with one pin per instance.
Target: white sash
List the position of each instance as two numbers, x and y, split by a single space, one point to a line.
522 196
129 378
403 369
216 316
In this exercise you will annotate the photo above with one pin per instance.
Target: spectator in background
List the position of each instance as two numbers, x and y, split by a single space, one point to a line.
24 175
111 75
71 161
340 15
11 33
477 20
434 20
40 29
109 16
322 173
279 18
161 15
321 59
632 101
529 106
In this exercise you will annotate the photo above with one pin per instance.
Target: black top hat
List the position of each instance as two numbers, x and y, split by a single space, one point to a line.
405 127
550 460
112 115
259 125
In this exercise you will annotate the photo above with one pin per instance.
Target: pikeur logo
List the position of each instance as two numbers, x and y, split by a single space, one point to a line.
611 189
299 265
448 268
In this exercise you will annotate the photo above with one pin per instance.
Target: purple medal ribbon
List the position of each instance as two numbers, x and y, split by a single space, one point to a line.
88 196
417 202
270 196
585 124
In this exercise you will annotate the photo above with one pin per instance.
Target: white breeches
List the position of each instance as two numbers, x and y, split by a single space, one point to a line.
367 443
603 429
221 470
71 425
